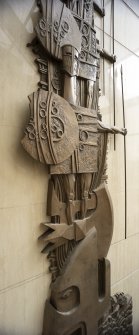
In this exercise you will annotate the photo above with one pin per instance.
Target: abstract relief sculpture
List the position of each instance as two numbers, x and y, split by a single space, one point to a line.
65 132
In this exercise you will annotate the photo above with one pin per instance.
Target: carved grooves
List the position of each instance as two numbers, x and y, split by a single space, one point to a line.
63 252
102 151
75 187
53 264
60 255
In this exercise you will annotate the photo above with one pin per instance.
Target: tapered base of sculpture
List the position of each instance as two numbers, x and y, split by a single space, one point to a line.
77 303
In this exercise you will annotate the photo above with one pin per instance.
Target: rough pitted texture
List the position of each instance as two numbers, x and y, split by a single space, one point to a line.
119 319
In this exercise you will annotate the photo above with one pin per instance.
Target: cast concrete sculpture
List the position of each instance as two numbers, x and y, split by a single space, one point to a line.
65 131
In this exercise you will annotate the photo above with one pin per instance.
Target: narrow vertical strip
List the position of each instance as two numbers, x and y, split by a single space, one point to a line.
113 68
122 86
103 59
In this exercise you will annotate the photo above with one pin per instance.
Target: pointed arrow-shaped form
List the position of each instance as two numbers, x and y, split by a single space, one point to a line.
57 234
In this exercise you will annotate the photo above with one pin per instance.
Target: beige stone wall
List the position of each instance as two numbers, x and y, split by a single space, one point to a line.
124 253
24 277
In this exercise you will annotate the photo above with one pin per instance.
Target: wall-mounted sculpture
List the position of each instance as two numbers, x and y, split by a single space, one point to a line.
66 132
